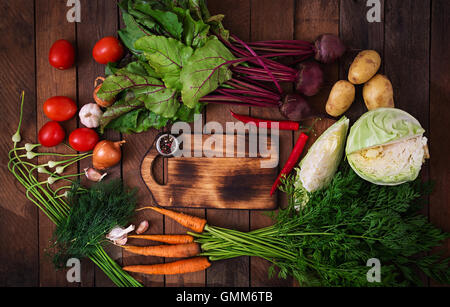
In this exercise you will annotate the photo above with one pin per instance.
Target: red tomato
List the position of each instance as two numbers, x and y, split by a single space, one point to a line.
51 134
83 139
60 108
108 49
62 54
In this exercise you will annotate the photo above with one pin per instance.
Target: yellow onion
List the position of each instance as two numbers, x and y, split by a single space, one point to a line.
101 103
106 154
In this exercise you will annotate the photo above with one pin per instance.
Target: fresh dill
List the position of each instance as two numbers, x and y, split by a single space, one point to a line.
93 214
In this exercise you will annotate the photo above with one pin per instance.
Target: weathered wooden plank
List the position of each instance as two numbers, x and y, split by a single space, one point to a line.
359 34
99 19
19 257
439 124
313 18
51 25
271 20
233 272
406 60
132 152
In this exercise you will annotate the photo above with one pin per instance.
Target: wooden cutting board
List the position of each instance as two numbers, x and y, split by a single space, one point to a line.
208 181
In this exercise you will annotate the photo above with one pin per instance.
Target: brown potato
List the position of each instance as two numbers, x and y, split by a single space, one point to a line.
364 67
341 98
378 93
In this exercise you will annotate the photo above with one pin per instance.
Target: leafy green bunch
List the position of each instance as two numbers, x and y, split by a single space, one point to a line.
93 214
175 63
328 241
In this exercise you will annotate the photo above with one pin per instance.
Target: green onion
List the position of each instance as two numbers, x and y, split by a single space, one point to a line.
46 199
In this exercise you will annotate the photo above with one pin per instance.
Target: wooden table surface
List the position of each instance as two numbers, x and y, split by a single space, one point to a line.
412 38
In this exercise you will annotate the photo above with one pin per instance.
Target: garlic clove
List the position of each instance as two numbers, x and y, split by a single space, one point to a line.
121 241
94 175
143 226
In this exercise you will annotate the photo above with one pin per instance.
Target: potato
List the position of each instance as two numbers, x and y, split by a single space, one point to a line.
378 93
341 98
364 67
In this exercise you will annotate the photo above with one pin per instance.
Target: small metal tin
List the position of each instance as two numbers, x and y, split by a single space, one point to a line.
173 147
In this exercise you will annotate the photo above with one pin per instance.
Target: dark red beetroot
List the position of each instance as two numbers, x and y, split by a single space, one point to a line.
310 78
328 48
295 107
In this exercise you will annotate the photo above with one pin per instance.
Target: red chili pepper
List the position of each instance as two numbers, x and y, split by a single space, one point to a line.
282 125
293 158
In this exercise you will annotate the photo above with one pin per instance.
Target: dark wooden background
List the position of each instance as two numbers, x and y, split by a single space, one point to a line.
412 39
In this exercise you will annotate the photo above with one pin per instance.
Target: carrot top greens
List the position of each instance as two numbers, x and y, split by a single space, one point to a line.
328 241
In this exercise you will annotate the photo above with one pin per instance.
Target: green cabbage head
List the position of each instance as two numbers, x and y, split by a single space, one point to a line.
386 146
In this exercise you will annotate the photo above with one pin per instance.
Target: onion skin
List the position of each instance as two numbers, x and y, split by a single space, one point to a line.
295 107
310 79
107 154
328 48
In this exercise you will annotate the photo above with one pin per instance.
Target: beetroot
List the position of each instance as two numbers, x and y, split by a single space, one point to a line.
310 78
328 48
295 107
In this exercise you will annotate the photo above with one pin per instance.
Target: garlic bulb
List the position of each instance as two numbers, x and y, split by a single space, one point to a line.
118 235
90 115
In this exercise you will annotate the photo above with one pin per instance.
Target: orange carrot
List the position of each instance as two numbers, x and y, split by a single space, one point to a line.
169 239
169 251
171 268
192 222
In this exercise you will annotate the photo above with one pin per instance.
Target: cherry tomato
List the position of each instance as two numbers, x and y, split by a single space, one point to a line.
83 139
60 108
51 134
62 54
108 49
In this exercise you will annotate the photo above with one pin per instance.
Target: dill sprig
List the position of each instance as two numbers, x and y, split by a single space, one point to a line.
93 214
328 241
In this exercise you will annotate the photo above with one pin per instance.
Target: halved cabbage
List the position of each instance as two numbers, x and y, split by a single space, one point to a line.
317 168
386 147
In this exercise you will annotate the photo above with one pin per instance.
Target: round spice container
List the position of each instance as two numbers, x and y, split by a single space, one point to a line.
167 144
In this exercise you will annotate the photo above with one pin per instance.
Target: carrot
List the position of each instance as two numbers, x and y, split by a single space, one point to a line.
171 268
169 251
169 239
192 222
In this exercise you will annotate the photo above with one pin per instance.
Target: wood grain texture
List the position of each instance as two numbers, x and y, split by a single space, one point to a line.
439 125
19 256
308 26
215 180
51 25
233 272
358 34
415 58
407 29
99 19
271 20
